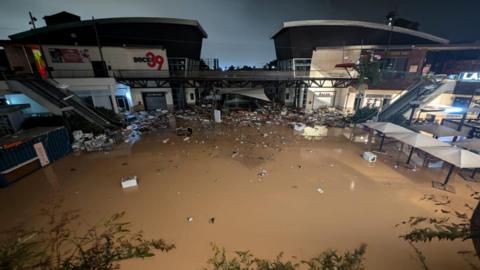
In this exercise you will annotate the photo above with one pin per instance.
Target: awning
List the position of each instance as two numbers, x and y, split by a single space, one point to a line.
417 140
469 144
386 127
458 157
438 130
258 93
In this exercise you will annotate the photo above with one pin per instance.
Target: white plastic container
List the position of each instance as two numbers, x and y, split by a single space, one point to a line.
370 157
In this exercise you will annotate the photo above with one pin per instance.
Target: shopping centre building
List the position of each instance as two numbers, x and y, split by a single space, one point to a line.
332 47
96 59
87 57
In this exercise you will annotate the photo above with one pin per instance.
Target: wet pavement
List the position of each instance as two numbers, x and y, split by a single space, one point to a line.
313 195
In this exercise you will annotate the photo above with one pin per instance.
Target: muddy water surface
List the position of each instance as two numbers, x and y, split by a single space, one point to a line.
215 174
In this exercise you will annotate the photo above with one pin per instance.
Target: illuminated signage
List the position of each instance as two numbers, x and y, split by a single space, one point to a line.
469 76
39 63
152 60
324 94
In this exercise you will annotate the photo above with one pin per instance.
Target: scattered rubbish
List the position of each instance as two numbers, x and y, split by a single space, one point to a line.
186 138
90 143
124 164
129 182
189 219
184 131
72 169
369 156
298 128
263 173
234 154
295 186
211 220
319 190
132 137
166 140
315 133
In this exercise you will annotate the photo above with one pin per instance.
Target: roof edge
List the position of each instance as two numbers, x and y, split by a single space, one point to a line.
363 24
43 29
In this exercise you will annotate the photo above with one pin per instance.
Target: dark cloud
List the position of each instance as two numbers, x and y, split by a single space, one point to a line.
239 30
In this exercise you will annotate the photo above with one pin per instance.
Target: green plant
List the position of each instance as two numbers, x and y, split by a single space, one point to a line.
327 260
453 225
61 246
368 70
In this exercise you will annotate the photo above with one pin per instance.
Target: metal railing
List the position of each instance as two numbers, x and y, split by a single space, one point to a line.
207 74
232 74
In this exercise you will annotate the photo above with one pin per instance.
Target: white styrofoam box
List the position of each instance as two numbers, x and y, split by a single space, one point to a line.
129 182
369 156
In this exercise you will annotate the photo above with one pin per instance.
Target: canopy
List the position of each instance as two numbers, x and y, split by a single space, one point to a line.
460 158
386 127
417 140
438 130
470 144
258 93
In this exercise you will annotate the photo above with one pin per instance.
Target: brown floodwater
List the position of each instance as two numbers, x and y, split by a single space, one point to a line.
215 174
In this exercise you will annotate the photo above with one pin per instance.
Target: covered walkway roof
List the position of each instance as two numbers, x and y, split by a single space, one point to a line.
438 130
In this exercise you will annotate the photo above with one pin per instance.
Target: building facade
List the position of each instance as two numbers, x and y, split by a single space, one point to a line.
332 48
90 57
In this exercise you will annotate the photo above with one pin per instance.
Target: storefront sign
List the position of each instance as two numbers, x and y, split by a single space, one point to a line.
152 60
469 76
324 94
69 55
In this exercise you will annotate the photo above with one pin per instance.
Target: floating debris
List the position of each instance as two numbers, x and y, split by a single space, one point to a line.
129 182
263 173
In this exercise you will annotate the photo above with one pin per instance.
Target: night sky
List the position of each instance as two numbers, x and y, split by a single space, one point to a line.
240 30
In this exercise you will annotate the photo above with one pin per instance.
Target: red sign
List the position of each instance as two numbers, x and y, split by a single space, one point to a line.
152 60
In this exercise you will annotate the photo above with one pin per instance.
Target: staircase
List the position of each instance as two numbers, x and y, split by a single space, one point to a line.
64 100
420 93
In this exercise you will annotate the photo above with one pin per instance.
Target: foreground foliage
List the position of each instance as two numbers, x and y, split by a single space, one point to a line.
327 260
59 246
450 225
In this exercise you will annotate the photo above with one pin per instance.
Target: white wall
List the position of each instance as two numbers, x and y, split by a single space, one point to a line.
137 95
323 65
100 89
